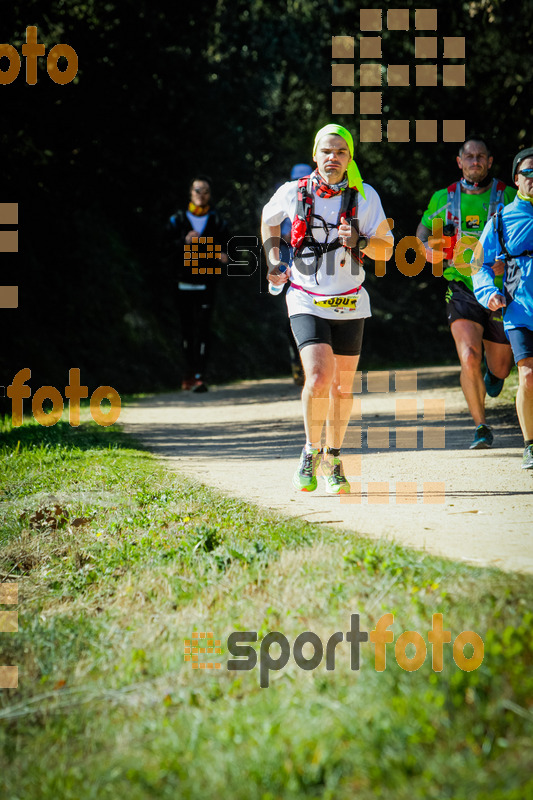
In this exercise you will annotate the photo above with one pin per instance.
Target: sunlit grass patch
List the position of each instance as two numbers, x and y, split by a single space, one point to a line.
119 562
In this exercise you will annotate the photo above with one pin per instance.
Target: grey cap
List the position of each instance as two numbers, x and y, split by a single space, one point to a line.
521 156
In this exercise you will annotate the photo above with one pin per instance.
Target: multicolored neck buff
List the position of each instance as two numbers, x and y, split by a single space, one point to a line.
324 189
354 176
471 185
198 211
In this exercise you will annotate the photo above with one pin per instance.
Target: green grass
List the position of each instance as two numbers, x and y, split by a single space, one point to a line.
119 561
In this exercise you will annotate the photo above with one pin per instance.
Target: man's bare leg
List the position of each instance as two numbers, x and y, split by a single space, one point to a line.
468 338
499 358
319 367
524 397
340 400
340 409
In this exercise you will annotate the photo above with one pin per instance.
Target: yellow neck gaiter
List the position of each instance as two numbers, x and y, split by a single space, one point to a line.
198 211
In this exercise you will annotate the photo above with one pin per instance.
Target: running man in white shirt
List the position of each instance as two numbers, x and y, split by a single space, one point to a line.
335 218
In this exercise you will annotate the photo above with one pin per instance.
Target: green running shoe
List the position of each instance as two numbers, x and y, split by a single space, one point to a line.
304 479
333 473
527 461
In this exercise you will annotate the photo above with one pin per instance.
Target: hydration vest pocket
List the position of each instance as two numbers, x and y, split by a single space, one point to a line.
298 232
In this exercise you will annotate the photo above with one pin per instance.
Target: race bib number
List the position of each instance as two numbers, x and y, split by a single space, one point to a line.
342 303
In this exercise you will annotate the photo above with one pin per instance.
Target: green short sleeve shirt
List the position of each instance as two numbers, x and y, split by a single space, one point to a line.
474 214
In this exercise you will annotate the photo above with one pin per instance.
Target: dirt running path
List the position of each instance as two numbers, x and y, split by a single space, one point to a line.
245 439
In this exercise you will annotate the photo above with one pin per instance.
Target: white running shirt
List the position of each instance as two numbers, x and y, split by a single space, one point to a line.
337 273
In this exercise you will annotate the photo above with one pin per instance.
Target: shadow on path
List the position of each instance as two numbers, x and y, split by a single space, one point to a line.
283 438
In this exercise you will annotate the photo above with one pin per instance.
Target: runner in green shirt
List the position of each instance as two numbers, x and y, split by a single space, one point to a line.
464 208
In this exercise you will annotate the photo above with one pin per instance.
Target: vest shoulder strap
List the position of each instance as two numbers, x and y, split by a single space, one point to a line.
350 203
305 201
304 204
496 196
453 205
497 221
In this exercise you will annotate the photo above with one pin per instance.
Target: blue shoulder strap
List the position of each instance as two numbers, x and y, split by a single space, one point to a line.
497 221
496 196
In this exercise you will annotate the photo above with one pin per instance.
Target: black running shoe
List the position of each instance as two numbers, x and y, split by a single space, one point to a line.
493 385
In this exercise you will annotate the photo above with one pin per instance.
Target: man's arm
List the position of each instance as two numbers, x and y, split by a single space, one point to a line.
380 246
423 233
373 226
434 245
270 235
484 267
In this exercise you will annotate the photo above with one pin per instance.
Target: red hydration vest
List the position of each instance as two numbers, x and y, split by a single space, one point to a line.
301 231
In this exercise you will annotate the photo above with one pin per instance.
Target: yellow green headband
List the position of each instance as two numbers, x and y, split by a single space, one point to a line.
354 176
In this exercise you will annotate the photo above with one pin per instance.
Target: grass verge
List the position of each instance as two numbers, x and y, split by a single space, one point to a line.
118 562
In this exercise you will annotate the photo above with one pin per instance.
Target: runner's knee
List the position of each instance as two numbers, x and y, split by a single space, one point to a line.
526 380
471 359
318 382
338 391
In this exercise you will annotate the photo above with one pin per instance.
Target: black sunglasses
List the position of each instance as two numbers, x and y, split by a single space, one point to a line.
528 172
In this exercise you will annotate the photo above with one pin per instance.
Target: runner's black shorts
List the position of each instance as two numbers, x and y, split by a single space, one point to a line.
345 336
462 304
521 343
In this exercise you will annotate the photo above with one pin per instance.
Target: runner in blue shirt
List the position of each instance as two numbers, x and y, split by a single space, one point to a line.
508 238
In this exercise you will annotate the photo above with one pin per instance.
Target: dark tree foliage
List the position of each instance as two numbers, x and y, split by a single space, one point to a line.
235 89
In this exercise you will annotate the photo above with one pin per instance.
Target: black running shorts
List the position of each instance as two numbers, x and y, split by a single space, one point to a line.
462 304
344 336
